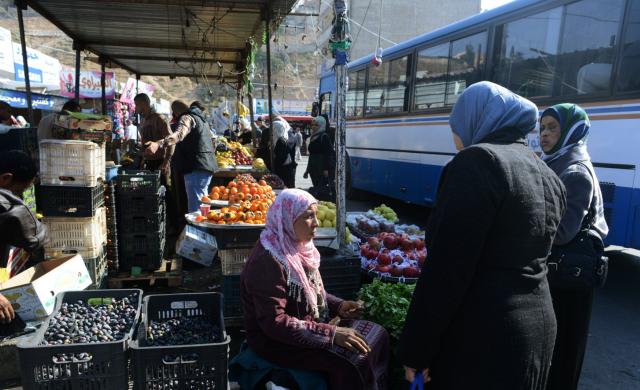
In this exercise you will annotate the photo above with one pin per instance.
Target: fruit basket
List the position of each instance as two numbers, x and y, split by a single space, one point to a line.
59 201
393 258
85 236
82 365
184 357
71 163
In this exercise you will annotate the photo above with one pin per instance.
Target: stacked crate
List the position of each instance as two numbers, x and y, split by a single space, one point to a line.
112 227
71 199
141 220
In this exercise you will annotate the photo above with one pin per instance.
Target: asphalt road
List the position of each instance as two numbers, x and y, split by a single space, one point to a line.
612 361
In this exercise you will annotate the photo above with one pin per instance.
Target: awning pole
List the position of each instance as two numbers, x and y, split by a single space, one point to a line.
267 30
25 59
103 80
341 42
78 50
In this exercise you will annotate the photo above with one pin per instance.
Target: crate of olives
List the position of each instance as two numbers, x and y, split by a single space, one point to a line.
84 343
181 343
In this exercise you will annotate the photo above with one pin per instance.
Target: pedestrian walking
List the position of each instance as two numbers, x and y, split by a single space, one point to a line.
481 316
564 129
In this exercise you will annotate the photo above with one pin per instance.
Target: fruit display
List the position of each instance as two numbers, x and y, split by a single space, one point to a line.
235 154
326 214
274 181
395 255
248 204
386 212
371 223
237 192
92 322
259 164
182 331
245 178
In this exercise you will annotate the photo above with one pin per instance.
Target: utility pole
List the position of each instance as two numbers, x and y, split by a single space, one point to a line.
340 42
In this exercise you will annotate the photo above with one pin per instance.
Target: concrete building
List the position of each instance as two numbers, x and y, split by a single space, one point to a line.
401 20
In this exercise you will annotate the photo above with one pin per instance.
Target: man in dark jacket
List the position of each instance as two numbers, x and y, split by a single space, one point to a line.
20 229
194 156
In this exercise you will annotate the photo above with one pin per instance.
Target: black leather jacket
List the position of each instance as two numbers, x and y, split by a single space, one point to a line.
18 226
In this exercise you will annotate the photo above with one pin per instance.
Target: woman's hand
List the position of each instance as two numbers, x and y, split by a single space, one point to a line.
6 310
410 374
350 310
350 339
152 148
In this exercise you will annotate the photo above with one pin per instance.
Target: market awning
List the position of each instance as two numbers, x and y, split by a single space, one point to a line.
180 38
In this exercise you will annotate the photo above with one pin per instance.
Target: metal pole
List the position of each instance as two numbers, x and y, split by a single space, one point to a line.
78 50
267 29
342 54
25 62
103 79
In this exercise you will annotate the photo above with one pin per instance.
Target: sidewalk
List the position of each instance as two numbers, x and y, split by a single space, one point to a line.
302 183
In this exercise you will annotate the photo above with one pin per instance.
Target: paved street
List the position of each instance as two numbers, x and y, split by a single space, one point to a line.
612 361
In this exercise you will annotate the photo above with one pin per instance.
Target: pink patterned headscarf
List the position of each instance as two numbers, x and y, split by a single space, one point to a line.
300 259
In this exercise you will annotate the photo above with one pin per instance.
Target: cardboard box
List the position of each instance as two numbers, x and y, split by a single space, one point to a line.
33 291
197 246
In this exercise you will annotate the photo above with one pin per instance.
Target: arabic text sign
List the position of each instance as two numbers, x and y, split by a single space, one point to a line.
90 84
18 99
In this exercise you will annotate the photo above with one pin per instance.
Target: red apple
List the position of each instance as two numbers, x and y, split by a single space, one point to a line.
384 269
396 271
390 242
384 259
411 272
406 245
412 256
422 255
419 244
364 248
372 254
374 243
398 259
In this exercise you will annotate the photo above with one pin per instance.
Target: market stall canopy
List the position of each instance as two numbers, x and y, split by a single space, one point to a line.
180 38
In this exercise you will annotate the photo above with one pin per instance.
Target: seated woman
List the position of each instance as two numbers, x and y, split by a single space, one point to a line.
286 309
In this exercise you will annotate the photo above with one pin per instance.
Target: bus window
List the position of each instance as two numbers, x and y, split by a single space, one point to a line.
396 98
355 94
431 77
588 46
526 57
325 104
628 76
378 76
466 64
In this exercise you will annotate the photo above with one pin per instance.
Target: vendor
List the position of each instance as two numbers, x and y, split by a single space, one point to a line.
194 156
152 129
21 231
45 127
286 308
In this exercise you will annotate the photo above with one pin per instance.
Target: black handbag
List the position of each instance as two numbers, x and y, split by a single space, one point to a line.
581 263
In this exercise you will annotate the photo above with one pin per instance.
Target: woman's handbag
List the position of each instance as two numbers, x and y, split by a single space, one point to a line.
579 264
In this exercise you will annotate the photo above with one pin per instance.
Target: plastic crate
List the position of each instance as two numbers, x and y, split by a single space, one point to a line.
112 257
105 369
237 237
138 182
143 250
232 260
231 294
97 267
85 236
71 163
141 204
200 366
57 201
341 275
147 222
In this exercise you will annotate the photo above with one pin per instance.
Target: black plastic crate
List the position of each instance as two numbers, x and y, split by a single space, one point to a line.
341 275
112 257
143 250
140 204
241 237
106 368
231 294
63 201
137 182
180 367
141 222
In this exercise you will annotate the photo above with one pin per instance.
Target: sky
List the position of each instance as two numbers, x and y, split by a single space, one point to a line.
488 4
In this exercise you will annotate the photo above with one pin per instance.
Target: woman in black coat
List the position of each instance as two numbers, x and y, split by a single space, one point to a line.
321 153
481 316
284 156
564 129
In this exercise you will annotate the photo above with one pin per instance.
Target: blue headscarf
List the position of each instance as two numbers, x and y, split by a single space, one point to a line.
485 107
574 128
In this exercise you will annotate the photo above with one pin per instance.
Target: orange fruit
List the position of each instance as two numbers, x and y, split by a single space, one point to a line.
232 184
201 218
262 183
233 191
225 197
215 190
205 199
215 196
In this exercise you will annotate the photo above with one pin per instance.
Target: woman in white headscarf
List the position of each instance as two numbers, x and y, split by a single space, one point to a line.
481 316
284 155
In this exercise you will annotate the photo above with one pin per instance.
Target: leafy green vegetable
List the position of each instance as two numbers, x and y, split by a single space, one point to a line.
387 304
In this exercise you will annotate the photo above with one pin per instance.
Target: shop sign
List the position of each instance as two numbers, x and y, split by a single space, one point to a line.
6 52
43 68
18 99
90 84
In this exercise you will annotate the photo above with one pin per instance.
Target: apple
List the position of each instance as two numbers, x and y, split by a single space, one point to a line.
411 272
406 245
419 244
390 242
372 254
422 256
398 259
384 259
374 243
412 256
364 248
396 271
384 269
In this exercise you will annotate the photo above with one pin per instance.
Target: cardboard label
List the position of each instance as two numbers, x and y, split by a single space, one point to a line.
197 246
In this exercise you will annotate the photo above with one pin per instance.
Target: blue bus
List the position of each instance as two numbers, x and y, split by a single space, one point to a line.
550 51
